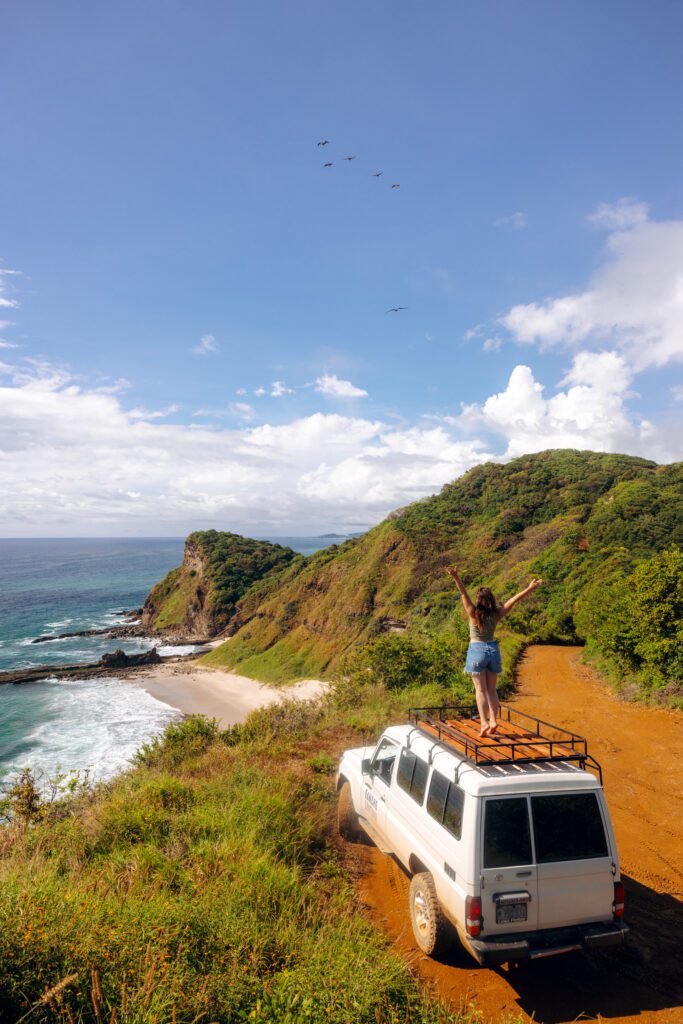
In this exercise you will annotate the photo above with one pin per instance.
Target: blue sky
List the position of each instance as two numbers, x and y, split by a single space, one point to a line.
162 184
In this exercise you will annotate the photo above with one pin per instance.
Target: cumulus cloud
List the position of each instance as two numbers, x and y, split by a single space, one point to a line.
242 410
278 388
492 344
590 413
75 460
633 303
259 392
331 385
516 221
207 344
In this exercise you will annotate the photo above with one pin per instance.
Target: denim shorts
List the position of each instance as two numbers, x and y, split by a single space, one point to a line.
483 656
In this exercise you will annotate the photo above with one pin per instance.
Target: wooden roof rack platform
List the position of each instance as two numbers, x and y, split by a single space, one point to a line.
519 739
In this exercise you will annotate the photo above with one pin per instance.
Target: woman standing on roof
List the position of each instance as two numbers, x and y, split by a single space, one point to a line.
483 654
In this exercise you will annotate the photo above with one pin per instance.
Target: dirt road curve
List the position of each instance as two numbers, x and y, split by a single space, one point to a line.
641 751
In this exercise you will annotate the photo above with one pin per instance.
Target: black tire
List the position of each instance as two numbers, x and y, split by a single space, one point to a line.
430 927
347 819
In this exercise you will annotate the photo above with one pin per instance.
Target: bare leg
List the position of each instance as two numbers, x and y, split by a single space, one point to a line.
492 699
479 680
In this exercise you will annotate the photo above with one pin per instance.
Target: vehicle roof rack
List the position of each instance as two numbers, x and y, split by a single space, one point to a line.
520 738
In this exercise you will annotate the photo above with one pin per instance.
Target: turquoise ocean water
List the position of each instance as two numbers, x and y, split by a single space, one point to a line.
49 587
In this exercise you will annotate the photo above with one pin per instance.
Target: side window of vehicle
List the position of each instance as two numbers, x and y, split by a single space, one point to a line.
383 760
412 775
452 819
445 803
507 835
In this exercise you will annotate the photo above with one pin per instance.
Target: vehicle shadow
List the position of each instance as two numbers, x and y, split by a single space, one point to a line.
644 974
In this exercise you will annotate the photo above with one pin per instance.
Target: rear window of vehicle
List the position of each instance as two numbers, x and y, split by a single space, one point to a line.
445 803
507 835
568 826
412 775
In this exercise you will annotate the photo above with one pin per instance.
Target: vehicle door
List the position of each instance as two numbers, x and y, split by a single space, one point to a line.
574 864
509 884
376 783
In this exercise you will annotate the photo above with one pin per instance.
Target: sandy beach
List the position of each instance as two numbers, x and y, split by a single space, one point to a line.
225 696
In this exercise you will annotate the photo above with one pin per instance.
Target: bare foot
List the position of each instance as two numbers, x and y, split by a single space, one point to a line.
484 730
492 728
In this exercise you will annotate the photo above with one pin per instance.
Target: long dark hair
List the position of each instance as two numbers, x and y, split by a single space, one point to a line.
485 605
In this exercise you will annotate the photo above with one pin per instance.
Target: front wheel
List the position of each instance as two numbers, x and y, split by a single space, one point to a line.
430 927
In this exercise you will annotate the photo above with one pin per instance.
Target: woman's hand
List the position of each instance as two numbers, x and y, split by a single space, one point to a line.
534 584
452 570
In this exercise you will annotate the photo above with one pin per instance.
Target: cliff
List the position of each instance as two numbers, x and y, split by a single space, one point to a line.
197 600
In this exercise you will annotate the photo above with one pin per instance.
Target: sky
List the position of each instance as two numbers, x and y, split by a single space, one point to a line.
194 311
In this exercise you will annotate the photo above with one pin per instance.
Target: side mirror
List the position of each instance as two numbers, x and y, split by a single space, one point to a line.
365 765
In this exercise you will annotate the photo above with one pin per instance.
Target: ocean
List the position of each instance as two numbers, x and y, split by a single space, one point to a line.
52 586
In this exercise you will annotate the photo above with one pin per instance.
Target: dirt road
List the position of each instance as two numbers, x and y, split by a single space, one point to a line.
641 751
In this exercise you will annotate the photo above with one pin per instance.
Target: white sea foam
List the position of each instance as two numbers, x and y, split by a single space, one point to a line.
94 724
167 650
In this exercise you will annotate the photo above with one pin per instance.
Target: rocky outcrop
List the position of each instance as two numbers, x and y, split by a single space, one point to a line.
198 600
119 659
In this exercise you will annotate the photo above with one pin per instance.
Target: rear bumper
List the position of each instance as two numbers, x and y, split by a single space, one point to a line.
536 945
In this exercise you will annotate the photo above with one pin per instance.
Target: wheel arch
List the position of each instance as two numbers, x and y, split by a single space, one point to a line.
415 865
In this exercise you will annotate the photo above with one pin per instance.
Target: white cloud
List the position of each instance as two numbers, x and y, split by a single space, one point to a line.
75 460
241 391
5 302
625 213
7 344
331 385
259 392
517 221
492 344
242 410
474 332
278 388
633 303
207 344
147 414
591 413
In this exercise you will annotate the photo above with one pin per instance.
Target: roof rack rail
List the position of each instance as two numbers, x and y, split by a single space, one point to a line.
520 738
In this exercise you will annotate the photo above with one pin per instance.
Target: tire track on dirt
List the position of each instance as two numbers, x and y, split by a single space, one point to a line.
641 752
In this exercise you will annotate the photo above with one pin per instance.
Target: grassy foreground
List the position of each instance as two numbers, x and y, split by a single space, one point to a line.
207 884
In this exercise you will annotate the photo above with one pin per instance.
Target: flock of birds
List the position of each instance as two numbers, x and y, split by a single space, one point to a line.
375 174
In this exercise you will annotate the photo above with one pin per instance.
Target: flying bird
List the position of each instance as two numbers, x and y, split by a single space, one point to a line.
395 186
378 174
349 158
396 309
325 142
328 164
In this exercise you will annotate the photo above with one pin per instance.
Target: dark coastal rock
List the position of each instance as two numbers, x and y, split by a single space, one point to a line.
119 659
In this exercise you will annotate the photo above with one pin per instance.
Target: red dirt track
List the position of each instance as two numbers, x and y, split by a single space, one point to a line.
641 752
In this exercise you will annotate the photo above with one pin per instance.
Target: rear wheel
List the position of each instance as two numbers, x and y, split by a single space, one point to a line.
347 819
430 927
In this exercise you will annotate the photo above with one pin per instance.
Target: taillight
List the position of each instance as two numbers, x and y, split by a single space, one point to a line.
618 905
473 920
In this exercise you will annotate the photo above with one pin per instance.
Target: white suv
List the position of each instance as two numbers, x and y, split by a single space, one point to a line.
507 840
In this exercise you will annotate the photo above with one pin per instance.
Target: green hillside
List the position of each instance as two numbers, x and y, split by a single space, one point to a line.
199 598
584 521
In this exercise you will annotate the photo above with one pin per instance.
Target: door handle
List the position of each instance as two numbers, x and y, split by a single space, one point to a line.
523 874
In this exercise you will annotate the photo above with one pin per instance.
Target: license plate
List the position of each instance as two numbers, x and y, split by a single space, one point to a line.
511 913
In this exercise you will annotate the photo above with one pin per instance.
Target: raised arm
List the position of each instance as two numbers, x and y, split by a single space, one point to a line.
518 597
467 604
